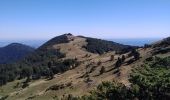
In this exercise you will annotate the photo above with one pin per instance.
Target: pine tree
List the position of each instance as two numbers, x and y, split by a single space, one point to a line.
118 63
51 74
102 70
123 58
136 55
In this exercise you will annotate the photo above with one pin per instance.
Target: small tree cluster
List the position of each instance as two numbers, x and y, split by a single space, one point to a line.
147 46
135 54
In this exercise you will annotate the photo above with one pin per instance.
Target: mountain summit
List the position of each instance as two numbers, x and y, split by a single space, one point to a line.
65 38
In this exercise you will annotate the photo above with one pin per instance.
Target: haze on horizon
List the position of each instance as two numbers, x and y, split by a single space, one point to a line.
44 19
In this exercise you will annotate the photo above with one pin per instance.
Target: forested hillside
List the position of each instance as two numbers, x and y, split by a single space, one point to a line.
43 62
14 52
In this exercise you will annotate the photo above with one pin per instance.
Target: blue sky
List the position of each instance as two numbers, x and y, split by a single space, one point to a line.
44 19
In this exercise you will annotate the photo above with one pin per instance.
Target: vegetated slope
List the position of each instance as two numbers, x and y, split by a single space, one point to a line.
76 73
14 52
149 81
43 62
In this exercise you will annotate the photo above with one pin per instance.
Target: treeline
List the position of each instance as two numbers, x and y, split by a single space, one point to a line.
151 81
101 46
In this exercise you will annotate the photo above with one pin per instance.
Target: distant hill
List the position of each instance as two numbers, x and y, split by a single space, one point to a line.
14 52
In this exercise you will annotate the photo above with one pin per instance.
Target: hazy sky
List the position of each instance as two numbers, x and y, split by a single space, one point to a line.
43 19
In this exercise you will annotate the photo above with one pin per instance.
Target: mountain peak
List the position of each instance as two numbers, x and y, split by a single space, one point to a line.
65 38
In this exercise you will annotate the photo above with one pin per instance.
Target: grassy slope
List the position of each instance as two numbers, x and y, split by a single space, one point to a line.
37 88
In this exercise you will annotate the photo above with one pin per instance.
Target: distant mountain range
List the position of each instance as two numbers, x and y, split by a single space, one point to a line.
14 52
126 41
136 41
